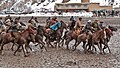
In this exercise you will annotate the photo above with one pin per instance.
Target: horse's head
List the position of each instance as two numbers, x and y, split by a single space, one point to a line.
63 25
112 28
40 29
107 33
32 34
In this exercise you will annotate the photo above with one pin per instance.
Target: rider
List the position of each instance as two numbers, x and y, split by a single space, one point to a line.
72 18
48 22
8 17
88 27
72 25
33 21
79 23
54 20
95 25
15 28
55 26
101 25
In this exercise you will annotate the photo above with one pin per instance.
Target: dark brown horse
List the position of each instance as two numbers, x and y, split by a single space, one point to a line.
54 36
39 37
59 33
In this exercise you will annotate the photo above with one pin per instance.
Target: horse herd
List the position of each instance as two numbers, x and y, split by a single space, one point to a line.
60 38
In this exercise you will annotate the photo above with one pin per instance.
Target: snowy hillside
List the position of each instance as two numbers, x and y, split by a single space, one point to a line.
28 5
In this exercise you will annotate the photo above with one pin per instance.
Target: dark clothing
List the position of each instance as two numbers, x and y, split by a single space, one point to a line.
48 22
15 27
72 19
88 27
95 26
72 25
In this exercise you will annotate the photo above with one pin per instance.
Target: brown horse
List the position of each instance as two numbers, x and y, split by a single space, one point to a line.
70 35
83 37
29 33
23 36
101 37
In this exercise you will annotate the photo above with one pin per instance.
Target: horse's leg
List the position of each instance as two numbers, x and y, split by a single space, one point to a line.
89 47
94 48
77 42
27 45
13 46
62 42
48 43
100 47
67 42
59 43
75 46
24 51
17 49
89 44
84 47
42 43
106 46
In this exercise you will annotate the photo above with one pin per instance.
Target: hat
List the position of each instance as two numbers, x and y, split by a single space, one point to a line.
89 20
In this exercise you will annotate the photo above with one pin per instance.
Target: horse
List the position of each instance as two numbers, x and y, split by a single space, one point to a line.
52 36
83 37
28 33
59 33
39 37
70 35
101 37
23 36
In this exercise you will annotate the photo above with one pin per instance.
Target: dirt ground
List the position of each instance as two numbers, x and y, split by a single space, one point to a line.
62 58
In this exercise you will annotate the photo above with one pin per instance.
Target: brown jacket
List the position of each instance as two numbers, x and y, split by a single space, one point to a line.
78 24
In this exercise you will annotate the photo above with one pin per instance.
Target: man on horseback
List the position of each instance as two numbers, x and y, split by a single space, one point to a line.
8 17
88 26
72 18
48 22
15 29
32 22
54 27
95 25
79 23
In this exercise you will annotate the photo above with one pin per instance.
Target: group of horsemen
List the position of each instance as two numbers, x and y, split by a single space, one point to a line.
16 25
89 27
